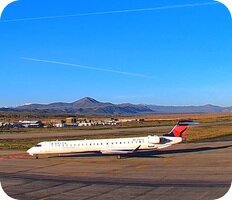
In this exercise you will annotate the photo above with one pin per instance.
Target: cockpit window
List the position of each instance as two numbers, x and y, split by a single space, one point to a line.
38 145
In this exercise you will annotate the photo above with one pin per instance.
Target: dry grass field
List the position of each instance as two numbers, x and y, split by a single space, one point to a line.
211 126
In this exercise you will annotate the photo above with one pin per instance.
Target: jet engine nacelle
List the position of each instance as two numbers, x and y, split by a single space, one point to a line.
153 139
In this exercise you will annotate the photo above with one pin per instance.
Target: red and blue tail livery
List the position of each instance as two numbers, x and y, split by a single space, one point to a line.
180 128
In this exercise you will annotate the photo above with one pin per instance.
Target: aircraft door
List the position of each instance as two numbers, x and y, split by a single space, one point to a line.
47 147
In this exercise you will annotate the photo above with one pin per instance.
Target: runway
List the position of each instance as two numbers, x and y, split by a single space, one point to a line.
74 133
191 171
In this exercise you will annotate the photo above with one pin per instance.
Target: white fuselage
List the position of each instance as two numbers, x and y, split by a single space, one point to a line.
105 146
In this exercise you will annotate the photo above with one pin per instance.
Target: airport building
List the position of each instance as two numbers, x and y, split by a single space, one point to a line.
70 120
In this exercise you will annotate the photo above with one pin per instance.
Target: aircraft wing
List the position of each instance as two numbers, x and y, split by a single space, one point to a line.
120 151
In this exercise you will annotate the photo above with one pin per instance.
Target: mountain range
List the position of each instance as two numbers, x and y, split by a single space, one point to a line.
90 106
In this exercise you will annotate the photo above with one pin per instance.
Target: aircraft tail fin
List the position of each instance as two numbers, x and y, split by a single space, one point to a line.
180 128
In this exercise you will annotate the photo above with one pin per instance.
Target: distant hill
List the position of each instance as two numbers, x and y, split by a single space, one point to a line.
190 109
90 106
85 106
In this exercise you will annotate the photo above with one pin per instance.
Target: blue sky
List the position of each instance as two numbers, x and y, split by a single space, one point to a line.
168 56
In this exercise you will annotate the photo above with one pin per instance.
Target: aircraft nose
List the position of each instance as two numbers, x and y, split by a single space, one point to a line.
30 151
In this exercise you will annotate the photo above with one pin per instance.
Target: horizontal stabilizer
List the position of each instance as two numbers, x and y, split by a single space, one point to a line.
187 123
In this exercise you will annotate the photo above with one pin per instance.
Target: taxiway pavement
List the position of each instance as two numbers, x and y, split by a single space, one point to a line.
194 171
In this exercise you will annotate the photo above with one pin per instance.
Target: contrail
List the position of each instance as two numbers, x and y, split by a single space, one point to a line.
88 67
113 12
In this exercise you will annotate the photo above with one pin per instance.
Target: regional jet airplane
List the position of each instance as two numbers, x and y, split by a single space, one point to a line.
116 146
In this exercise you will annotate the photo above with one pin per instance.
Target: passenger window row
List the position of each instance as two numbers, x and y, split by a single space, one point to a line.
91 144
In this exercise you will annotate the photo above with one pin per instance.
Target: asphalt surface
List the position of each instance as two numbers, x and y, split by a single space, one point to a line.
195 171
73 133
